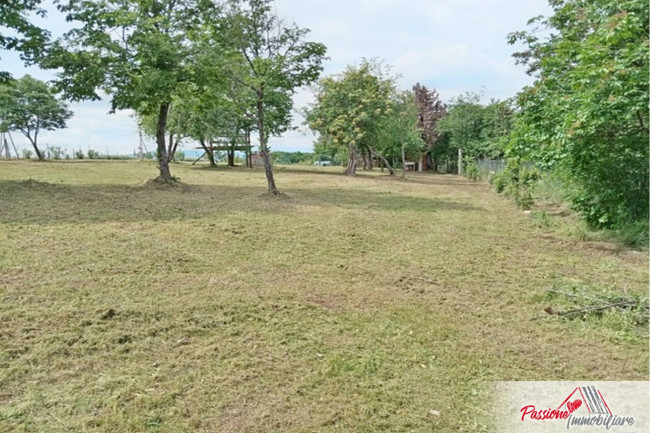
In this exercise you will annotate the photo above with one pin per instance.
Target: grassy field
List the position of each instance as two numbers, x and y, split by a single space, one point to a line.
351 304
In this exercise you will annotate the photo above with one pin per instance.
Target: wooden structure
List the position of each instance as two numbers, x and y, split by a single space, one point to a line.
224 144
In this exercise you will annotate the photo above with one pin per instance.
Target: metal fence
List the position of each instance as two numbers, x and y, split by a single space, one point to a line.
488 165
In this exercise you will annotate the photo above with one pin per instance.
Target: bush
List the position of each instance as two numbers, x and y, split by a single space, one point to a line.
633 234
179 156
27 154
472 171
93 154
517 181
57 152
499 181
78 154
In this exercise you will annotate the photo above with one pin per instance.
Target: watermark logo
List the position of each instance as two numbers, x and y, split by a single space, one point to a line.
584 406
558 406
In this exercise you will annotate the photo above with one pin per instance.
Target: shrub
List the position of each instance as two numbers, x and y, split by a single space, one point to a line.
79 154
93 154
517 181
499 181
633 234
27 154
57 152
542 219
472 171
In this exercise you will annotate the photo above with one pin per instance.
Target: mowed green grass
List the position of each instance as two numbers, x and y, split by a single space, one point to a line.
350 304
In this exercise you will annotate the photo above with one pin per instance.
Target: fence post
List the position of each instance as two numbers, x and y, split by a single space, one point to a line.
460 162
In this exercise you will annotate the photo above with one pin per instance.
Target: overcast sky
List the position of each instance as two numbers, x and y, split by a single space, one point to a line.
452 46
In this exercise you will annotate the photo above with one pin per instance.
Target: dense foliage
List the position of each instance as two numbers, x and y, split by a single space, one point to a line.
479 130
586 115
23 35
350 107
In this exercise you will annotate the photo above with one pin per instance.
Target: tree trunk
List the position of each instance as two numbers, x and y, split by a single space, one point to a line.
268 169
209 152
249 157
39 154
353 159
403 162
163 158
174 147
423 162
231 155
367 158
384 161
170 146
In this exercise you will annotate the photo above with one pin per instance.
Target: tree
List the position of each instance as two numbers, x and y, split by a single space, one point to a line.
274 61
399 129
25 37
464 123
497 125
430 111
586 115
480 131
140 52
350 109
29 106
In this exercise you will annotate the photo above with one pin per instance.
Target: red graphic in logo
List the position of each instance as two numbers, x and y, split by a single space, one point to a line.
572 406
592 398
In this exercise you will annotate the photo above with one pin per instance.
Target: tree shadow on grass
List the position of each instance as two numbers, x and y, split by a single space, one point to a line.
31 202
371 200
426 178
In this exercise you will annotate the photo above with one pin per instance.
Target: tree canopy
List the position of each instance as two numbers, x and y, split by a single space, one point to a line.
23 36
479 130
29 106
350 109
586 115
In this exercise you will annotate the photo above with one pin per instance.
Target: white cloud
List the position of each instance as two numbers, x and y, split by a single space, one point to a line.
433 62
